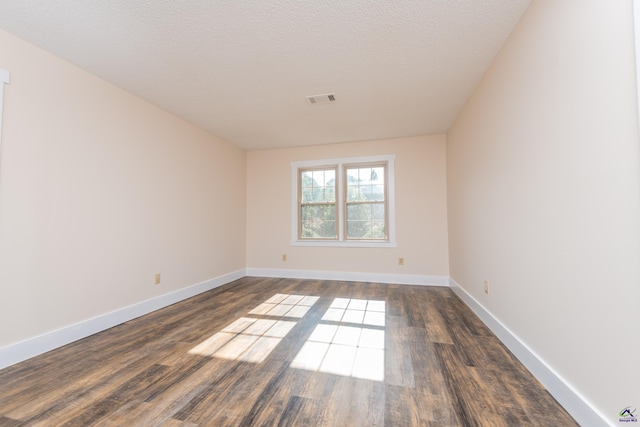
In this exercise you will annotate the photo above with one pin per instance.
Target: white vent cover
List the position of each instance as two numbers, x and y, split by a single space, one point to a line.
321 99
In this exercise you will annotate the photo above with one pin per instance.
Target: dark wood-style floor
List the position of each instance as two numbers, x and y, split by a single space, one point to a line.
263 352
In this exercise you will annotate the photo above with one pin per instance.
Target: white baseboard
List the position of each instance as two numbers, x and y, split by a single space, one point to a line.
31 347
400 279
576 404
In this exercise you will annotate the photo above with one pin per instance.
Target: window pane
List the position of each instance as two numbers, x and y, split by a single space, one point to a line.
309 212
377 192
358 221
364 175
318 221
330 192
308 230
377 230
353 185
307 194
352 176
318 178
330 177
318 194
329 213
366 183
318 186
377 212
359 212
353 193
377 175
366 221
358 229
307 179
328 229
318 230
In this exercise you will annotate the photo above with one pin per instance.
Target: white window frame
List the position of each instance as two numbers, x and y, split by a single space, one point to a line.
342 241
4 79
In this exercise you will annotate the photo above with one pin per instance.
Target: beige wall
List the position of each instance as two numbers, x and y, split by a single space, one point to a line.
100 190
421 223
544 195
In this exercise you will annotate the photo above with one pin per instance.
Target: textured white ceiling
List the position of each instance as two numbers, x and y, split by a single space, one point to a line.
241 69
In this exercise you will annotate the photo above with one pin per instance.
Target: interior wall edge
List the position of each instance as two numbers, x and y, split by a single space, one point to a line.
26 349
347 276
571 399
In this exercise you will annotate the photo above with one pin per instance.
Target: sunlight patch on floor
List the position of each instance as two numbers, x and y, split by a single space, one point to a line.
338 345
253 337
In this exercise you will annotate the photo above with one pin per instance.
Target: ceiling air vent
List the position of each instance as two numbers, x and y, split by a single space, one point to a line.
321 99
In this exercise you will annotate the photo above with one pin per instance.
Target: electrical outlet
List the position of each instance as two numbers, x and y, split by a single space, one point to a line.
400 261
284 257
157 278
486 287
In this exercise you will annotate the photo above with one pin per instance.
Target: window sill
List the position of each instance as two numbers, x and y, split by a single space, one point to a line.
345 244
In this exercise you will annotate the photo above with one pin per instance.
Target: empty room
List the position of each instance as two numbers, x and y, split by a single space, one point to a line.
300 213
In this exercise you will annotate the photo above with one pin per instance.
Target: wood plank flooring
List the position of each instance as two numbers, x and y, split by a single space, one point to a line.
261 352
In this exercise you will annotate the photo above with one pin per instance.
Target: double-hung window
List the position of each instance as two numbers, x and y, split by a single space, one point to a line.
317 200
366 201
343 202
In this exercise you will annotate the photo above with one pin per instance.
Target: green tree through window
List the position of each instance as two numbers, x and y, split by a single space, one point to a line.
366 202
318 216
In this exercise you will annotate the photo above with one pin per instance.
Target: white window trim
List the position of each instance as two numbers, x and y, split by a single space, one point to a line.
4 79
341 242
